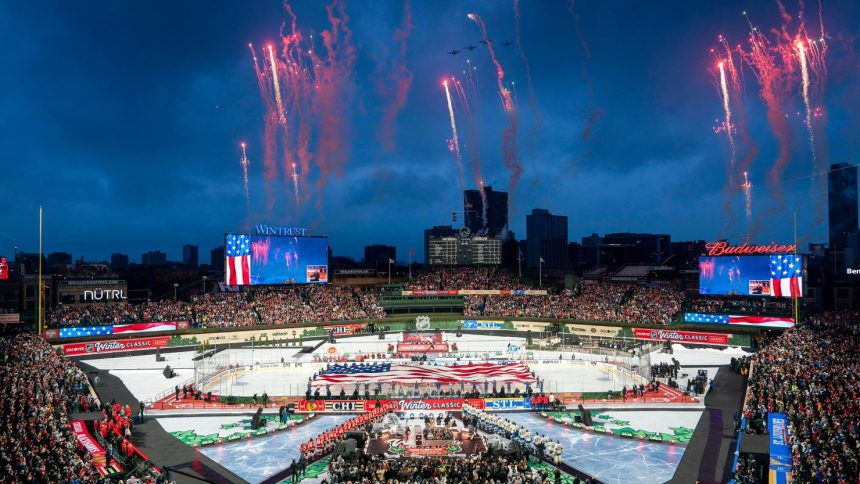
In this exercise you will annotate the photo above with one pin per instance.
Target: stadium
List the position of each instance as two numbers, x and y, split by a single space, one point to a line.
317 382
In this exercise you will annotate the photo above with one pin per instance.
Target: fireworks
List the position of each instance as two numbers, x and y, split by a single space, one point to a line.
455 140
295 176
306 100
245 162
393 80
746 186
522 53
278 100
804 75
724 89
509 136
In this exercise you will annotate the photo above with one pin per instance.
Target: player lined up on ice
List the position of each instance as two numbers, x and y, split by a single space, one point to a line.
517 433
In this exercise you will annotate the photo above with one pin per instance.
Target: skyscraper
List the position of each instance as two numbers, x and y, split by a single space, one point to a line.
189 255
153 258
842 203
118 260
546 238
216 259
496 211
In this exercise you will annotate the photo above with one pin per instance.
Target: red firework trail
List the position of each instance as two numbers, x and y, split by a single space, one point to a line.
277 87
522 53
773 73
398 79
594 114
736 90
474 148
270 172
472 81
332 76
509 137
455 139
301 95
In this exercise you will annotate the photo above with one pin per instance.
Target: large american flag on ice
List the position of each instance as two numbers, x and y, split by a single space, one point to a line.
409 374
238 267
786 276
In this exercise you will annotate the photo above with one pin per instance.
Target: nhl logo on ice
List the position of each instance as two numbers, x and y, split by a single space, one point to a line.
422 322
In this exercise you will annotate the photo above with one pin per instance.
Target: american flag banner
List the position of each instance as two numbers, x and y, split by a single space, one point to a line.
238 266
84 331
786 276
144 327
762 321
409 374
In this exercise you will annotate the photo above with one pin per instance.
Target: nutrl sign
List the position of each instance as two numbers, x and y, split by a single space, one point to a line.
104 295
263 229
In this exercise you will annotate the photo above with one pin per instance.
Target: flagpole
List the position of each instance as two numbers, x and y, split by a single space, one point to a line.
389 270
540 272
519 265
410 264
796 300
39 300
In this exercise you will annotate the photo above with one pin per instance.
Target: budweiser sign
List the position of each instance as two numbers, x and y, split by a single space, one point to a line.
720 339
113 346
723 248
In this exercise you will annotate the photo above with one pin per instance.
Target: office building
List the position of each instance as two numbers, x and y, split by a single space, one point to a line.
496 212
153 258
625 248
216 259
189 255
546 238
59 259
377 256
118 260
842 204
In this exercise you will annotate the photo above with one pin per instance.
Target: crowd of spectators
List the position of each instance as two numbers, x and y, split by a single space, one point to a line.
93 315
811 374
738 304
456 278
590 301
489 468
256 306
40 389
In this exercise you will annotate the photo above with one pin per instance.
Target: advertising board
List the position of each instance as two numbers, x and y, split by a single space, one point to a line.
482 324
695 337
114 346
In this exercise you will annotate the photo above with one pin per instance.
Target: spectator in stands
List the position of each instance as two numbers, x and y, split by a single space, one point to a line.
811 374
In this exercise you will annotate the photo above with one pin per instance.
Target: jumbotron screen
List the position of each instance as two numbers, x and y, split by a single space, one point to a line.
752 275
266 259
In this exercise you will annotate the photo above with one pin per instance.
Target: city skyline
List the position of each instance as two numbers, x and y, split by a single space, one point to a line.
133 147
